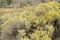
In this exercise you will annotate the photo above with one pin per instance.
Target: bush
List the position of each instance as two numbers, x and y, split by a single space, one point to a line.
35 24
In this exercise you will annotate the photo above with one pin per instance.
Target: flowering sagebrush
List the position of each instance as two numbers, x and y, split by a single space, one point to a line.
32 24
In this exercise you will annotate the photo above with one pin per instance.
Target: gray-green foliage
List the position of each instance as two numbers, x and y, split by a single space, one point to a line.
9 2
5 3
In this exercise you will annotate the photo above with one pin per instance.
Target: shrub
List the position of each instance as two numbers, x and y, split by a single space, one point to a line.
35 24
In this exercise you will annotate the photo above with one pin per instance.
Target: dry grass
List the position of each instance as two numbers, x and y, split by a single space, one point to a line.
8 10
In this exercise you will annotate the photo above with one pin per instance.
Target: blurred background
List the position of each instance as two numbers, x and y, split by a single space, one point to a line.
21 3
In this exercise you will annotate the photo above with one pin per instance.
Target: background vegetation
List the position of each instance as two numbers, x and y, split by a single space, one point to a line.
21 3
